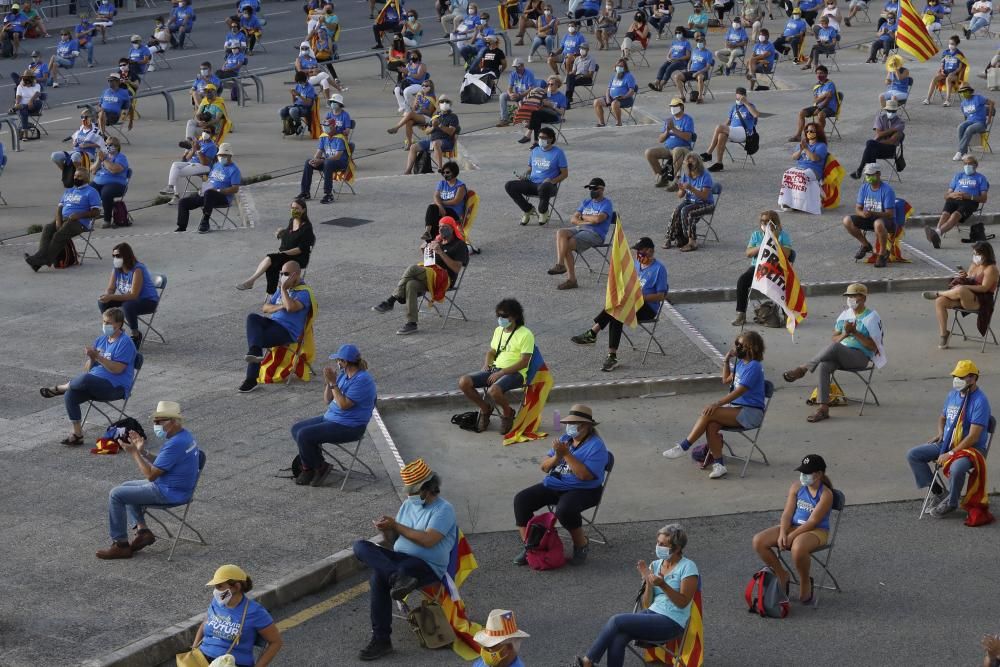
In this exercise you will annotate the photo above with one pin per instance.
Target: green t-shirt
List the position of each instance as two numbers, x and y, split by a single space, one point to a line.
508 346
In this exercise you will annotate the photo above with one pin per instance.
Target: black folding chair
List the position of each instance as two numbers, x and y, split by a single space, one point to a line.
589 522
956 322
114 405
746 433
450 295
870 371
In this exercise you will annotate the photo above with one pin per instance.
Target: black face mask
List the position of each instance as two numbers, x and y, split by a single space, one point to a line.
79 182
740 351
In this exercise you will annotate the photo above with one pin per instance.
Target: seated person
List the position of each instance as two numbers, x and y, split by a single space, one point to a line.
889 128
449 200
251 27
159 41
107 373
793 35
582 73
235 60
104 17
827 40
736 44
875 210
33 25
824 105
283 321
303 98
653 280
27 101
762 60
886 40
171 477
476 39
669 584
979 17
218 191
388 20
546 33
86 140
800 185
505 368
677 60
75 215
697 21
338 117
114 100
412 29
217 636
699 69
130 288
110 176
607 26
449 252
181 23
804 526
13 27
209 116
978 112
306 62
622 90
856 342
297 241
897 80
591 222
661 16
547 169
967 192
677 139
934 13
443 134
235 35
65 56
743 283
139 57
587 9
950 73
419 544
530 13
195 161
568 49
971 291
38 69
420 114
415 74
574 472
962 425
350 394
490 60
694 189
521 80
84 34
552 110
205 77
743 116
742 408
331 156
637 35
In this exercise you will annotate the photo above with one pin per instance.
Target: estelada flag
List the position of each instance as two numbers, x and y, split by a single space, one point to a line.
538 382
775 278
461 563
623 296
394 4
503 12
294 357
912 35
903 210
692 654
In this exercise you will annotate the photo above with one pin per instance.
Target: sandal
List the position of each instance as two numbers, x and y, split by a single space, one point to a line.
72 441
689 248
818 416
47 392
793 375
942 345
812 593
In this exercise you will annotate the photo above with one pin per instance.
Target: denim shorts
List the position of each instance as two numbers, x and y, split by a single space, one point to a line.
64 63
586 238
749 418
446 144
506 383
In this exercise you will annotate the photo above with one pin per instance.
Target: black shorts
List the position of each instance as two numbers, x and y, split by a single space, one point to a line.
812 111
868 224
111 118
690 76
965 207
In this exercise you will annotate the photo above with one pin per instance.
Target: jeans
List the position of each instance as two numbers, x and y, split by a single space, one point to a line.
386 567
294 111
329 167
668 68
88 387
518 190
966 131
109 192
206 202
263 332
25 110
623 628
54 240
605 319
835 357
569 505
977 22
60 157
310 434
133 309
505 102
131 497
549 43
919 459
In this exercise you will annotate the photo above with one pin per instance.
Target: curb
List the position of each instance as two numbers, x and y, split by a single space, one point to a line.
699 295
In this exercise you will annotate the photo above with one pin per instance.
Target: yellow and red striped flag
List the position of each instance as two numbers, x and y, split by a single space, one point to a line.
912 35
692 654
775 278
624 293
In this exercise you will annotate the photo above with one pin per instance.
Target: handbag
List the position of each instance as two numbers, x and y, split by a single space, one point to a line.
900 160
192 658
195 658
752 143
430 624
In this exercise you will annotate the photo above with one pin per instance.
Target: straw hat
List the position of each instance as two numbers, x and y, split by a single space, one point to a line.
167 410
500 627
579 414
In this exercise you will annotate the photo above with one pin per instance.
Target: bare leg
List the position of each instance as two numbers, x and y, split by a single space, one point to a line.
723 137
471 393
616 109
720 417
579 538
802 548
264 265
764 544
500 399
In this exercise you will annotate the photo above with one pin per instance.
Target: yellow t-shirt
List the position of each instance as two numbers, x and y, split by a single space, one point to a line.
508 346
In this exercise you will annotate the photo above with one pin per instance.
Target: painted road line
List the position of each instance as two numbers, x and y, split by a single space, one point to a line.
322 607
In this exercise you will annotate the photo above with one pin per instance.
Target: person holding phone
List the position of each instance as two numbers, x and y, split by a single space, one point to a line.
970 290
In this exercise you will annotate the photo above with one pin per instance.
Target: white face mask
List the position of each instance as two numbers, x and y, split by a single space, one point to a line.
736 26
222 596
700 45
853 304
958 383
584 52
446 106
572 430
107 329
548 12
205 72
890 114
118 262
805 479
762 39
571 29
159 431
225 159
544 143
675 110
619 70
969 169
977 259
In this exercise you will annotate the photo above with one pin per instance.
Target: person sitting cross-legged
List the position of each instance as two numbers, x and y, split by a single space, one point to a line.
223 183
196 160
297 240
743 116
653 280
449 201
699 69
694 190
874 211
971 291
547 169
590 227
978 111
75 215
131 288
967 192
824 105
330 157
762 59
86 140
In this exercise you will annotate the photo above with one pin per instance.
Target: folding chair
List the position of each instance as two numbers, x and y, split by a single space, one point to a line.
870 370
160 283
552 205
649 326
709 217
956 322
3 163
227 218
984 139
353 455
36 122
768 393
604 249
160 61
770 74
827 549
450 295
706 87
87 244
588 86
638 647
627 111
559 126
746 156
833 119
588 522
940 480
639 50
151 511
136 367
890 162
832 58
67 77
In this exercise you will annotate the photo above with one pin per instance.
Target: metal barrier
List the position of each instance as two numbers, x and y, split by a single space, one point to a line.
15 137
456 59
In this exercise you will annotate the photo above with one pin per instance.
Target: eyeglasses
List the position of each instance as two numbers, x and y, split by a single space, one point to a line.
645 254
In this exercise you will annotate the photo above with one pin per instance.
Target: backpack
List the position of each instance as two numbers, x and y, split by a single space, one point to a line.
543 546
119 215
752 142
67 256
467 421
429 623
769 315
422 164
900 160
977 232
764 595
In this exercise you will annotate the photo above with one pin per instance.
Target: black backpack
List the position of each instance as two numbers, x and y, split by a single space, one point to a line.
422 165
467 421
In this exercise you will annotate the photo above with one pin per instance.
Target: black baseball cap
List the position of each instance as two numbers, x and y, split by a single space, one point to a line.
812 463
595 183
644 243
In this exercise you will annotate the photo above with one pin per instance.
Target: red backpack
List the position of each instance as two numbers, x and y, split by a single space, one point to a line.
764 595
543 546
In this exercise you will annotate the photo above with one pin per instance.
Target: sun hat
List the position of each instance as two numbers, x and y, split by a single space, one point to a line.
227 573
414 475
225 149
579 414
856 288
891 104
500 627
167 410
872 168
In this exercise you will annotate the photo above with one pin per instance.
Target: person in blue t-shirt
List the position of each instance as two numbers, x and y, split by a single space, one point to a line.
653 280
251 27
676 140
114 100
111 174
223 183
330 157
282 321
742 408
694 190
107 376
235 624
36 67
793 35
591 222
13 27
131 288
622 90
104 17
139 57
181 23
569 49
449 200
520 81
574 470
743 283
963 424
420 541
825 103
743 116
303 98
978 112
84 34
699 69
65 56
547 168
736 44
875 211
886 39
677 59
827 39
966 193
762 59
75 214
949 75
170 479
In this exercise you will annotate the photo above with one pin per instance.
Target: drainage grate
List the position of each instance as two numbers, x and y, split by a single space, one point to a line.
347 222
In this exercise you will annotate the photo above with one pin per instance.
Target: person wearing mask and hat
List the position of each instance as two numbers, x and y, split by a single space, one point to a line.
897 80
350 395
978 112
418 544
444 131
222 185
13 27
204 78
75 215
306 62
521 80
330 157
449 200
65 56
500 641
574 471
653 280
170 478
27 100
966 193
139 57
856 342
490 59
582 73
210 116
874 211
234 623
450 253
591 222
827 39
793 35
338 116
889 128
105 12
196 160
38 68
677 139
962 424
804 526
743 117
114 101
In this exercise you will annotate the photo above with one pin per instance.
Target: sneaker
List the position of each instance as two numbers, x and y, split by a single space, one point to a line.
186 145
580 554
862 253
116 551
304 196
385 306
55 84
557 270
937 499
933 236
321 475
376 649
521 558
247 386
526 217
543 218
136 339
675 452
856 174
662 181
718 471
407 329
718 166
143 538
741 319
705 156
588 337
957 157
930 296
609 363
882 261
567 284
925 101
168 191
524 140
305 477
403 586
327 199
943 509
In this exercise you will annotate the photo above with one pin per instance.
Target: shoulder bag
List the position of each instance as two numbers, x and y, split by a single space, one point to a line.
752 142
195 658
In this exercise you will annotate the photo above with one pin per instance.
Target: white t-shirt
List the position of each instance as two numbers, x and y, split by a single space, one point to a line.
25 93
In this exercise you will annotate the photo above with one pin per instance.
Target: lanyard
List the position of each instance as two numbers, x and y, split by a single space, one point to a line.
501 344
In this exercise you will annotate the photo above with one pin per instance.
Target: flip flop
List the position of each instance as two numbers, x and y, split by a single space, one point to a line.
818 416
72 441
46 392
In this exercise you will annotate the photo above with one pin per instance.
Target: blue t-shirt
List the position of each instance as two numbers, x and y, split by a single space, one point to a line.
450 192
15 21
950 60
67 50
104 177
306 94
251 24
784 240
330 146
546 163
123 282
898 85
974 108
700 59
977 411
571 43
591 453
766 48
805 505
139 53
84 33
702 181
185 16
113 101
653 280
362 392
237 38
121 350
683 124
827 35
621 84
595 207
795 27
820 149
222 624
974 185
736 36
106 8
879 201
748 122
341 121
41 71
439 516
178 459
75 200
201 81
234 61
295 322
558 99
821 89
859 324
749 374
224 176
307 62
808 5
521 83
660 603
887 31
208 148
678 49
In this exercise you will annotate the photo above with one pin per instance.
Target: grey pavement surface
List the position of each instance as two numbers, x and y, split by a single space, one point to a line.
253 518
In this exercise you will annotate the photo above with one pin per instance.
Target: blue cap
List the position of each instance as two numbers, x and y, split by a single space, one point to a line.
347 352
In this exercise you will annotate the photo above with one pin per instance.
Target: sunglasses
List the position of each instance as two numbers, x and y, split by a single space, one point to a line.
643 253
285 273
810 131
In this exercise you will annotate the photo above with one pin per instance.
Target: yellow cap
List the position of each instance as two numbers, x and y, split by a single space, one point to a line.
227 573
676 102
965 367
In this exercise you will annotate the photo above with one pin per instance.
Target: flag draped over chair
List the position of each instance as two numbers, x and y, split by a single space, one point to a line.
623 296
380 19
538 382
461 563
775 278
693 652
833 176
280 361
976 500
912 35
903 211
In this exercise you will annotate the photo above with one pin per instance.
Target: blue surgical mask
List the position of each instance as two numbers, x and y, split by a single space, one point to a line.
805 479
969 169
663 553
503 322
159 431
108 329
572 430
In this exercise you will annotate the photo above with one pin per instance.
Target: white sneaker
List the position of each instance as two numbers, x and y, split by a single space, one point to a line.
150 68
957 157
674 452
718 471
55 84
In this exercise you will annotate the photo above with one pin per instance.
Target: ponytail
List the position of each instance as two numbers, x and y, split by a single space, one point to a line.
361 364
826 481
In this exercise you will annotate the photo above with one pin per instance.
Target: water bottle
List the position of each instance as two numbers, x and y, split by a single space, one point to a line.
556 418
